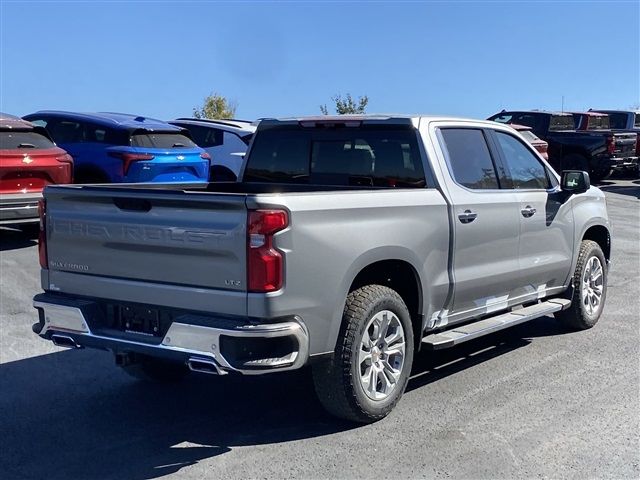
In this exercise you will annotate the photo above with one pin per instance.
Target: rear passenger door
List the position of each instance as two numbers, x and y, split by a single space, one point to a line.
546 222
485 225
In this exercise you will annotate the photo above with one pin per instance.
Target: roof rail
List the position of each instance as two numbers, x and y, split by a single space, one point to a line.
214 120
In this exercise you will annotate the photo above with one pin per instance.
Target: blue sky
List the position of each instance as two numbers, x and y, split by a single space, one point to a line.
470 58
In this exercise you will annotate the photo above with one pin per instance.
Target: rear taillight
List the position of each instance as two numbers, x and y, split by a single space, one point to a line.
265 272
66 158
611 144
42 234
129 158
205 156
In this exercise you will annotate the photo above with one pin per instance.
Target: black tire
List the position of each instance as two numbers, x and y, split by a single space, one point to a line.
155 370
577 316
337 380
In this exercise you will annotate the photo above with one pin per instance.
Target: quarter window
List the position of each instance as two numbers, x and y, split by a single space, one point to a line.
469 158
526 170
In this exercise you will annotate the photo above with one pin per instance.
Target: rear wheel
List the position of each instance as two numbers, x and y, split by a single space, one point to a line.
370 368
590 288
156 370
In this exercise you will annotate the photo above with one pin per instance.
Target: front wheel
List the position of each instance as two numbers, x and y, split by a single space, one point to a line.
370 368
590 288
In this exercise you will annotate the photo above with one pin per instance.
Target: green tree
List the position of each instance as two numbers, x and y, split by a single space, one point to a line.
216 106
347 105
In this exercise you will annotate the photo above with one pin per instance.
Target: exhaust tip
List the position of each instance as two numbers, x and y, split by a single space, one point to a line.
64 341
202 365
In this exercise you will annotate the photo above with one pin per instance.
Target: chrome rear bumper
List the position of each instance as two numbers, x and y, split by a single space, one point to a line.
19 207
182 342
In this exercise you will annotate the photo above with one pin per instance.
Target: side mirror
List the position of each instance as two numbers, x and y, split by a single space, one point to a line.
575 181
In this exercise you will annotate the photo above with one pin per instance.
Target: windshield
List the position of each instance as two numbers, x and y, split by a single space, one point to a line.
376 157
11 140
161 140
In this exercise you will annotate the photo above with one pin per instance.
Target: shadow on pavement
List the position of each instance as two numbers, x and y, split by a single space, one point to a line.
73 414
12 239
631 190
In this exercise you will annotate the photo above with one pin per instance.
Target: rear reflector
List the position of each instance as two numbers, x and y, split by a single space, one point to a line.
265 271
42 234
205 156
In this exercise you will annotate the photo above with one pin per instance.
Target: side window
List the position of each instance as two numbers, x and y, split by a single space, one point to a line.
205 137
100 134
66 131
528 120
526 170
469 158
41 122
233 143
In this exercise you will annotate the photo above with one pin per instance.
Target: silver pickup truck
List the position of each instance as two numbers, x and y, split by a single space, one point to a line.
350 243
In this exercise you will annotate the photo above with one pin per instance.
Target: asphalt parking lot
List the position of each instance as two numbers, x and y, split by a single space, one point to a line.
532 401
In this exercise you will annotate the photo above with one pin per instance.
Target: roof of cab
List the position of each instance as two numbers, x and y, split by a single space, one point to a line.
591 114
544 112
122 121
11 122
366 119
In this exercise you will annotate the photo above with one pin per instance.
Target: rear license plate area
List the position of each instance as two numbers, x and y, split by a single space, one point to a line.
140 320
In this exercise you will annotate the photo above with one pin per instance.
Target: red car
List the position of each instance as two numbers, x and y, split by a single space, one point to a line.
29 160
537 143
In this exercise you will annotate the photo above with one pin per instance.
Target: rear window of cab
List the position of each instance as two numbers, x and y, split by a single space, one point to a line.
14 140
366 157
161 140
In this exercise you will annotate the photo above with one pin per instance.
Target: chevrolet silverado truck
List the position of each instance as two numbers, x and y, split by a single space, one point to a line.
350 243
595 151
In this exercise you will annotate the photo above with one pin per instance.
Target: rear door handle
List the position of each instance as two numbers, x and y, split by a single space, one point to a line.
528 211
467 216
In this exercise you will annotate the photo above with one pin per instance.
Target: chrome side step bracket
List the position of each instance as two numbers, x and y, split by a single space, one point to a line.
469 331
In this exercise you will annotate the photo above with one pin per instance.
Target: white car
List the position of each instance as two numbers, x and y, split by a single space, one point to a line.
225 140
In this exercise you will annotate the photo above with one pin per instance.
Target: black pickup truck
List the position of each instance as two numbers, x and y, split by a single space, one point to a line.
597 152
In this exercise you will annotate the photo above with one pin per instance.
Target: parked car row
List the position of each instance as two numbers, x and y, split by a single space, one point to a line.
583 140
61 147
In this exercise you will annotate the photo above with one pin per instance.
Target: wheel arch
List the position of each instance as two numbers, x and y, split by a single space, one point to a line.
397 272
601 235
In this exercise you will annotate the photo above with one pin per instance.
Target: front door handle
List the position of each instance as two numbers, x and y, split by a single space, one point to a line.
528 211
467 216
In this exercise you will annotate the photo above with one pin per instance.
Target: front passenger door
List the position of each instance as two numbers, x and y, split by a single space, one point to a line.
486 226
546 222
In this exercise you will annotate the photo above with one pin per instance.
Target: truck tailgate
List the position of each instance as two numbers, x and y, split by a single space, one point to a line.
625 144
159 237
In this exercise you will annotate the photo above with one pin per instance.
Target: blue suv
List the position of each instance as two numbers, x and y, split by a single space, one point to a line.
115 147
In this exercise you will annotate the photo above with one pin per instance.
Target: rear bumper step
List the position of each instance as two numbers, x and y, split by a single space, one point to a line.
469 331
198 346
